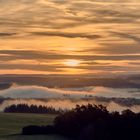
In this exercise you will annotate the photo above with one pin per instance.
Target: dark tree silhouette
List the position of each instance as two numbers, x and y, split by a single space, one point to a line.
24 108
93 122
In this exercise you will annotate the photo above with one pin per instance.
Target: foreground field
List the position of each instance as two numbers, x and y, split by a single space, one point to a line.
13 123
33 138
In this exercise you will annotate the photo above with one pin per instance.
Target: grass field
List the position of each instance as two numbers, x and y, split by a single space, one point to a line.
11 123
33 138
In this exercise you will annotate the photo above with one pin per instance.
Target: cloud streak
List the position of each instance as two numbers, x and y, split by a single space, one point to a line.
68 35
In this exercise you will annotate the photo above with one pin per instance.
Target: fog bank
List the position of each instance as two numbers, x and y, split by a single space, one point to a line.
84 92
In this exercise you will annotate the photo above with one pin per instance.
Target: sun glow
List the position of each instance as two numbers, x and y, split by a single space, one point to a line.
72 63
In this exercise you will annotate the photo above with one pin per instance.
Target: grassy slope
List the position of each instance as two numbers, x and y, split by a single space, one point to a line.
13 123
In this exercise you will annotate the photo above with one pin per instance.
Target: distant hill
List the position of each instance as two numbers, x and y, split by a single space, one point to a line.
66 81
5 85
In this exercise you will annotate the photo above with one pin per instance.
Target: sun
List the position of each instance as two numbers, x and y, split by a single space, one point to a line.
72 63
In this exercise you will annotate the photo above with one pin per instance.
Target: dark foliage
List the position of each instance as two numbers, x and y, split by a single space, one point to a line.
93 122
24 108
37 130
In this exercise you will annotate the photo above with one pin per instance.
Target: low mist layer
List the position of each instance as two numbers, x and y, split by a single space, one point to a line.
67 98
67 104
85 92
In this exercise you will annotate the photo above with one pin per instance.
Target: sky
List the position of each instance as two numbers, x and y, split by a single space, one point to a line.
69 37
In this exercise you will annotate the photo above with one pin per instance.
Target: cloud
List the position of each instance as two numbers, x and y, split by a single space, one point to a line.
114 99
39 92
94 29
128 36
68 35
7 34
40 55
70 93
39 61
40 13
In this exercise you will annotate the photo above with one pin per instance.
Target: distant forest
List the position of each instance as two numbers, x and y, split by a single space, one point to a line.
24 108
92 122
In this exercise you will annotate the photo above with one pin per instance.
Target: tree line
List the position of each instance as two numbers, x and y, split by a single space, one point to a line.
25 108
92 122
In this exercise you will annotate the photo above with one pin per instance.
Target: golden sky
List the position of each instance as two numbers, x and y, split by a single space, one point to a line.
69 36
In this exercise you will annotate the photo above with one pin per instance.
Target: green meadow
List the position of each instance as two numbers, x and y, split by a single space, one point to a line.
11 125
